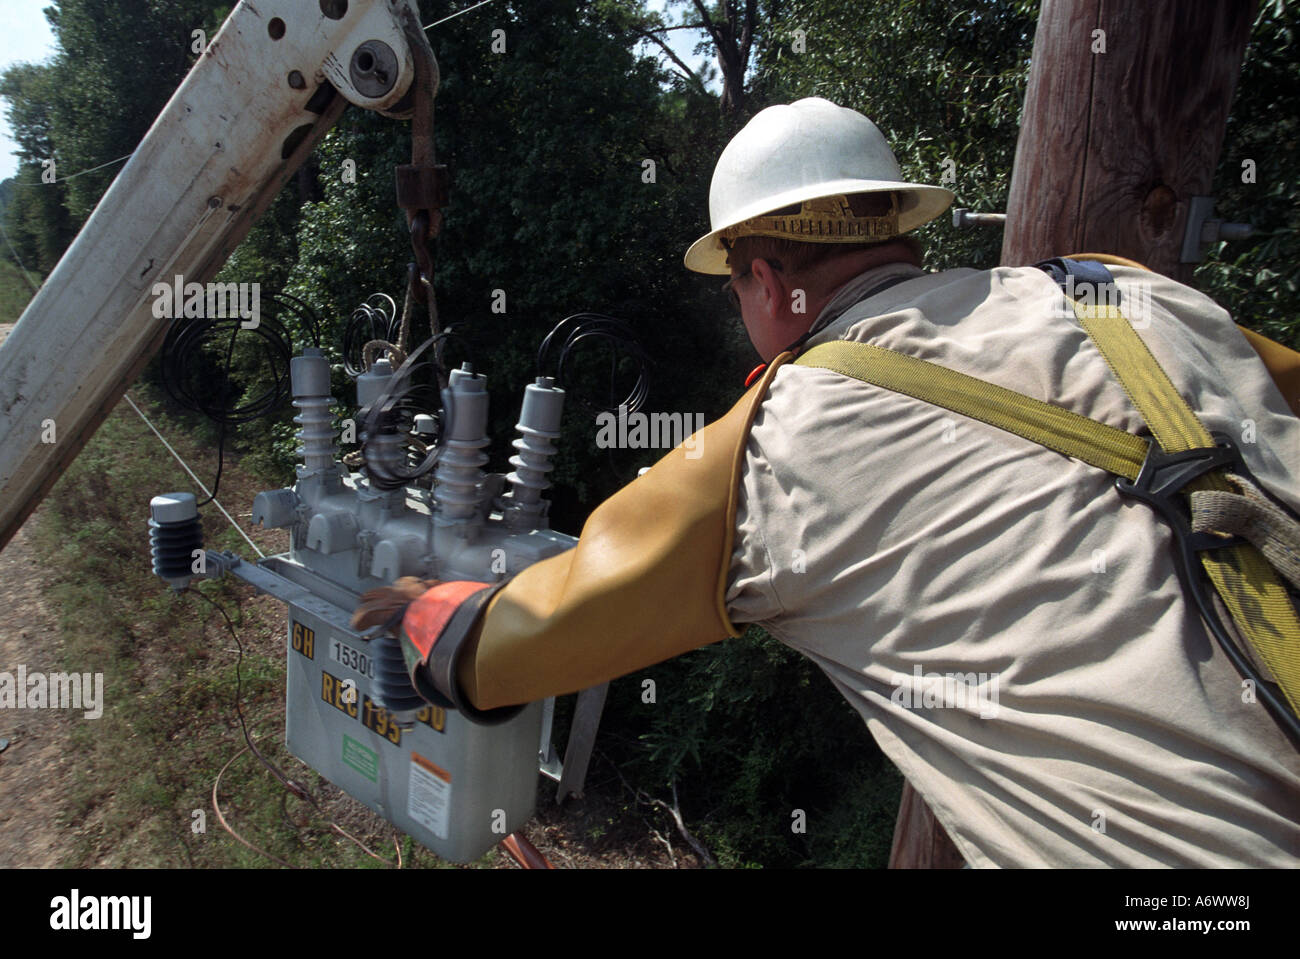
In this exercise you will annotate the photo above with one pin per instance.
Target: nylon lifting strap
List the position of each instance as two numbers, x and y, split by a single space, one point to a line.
1183 459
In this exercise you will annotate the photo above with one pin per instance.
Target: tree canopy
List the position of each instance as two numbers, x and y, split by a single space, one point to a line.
580 173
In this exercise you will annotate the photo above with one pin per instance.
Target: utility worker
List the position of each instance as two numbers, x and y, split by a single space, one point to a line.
1012 630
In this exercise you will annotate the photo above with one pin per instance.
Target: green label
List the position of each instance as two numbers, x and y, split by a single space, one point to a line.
360 758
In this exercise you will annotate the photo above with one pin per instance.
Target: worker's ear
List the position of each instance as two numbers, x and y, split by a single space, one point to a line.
772 292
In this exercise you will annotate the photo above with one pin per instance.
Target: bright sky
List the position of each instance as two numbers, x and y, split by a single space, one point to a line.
25 37
682 41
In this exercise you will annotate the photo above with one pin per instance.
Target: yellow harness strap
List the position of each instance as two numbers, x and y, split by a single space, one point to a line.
1244 580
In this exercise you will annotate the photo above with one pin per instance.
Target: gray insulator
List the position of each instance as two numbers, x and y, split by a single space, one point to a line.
174 535
169 508
310 375
531 464
372 383
386 452
392 689
543 406
459 474
425 429
539 427
387 561
333 532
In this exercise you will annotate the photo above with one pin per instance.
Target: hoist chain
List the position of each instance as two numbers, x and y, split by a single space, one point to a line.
422 186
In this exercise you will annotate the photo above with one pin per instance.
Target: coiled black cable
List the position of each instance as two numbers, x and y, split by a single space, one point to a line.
623 342
375 319
188 370
413 389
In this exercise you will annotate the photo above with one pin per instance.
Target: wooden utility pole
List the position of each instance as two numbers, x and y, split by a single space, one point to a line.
1123 123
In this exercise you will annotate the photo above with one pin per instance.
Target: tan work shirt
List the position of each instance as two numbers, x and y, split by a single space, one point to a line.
1012 629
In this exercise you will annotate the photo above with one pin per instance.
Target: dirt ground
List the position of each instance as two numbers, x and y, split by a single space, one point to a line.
36 758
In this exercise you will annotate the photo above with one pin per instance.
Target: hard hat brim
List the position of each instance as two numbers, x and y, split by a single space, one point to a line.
921 204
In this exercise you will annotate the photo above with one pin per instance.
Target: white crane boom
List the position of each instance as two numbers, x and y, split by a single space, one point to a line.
269 85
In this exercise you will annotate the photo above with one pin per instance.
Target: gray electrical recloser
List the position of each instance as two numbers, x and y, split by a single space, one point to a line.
457 786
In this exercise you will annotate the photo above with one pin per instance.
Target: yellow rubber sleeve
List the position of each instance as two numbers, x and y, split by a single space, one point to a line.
644 584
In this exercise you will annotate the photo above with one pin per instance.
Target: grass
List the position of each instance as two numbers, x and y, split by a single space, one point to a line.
14 291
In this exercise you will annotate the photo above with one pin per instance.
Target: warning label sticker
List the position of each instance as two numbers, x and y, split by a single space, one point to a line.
429 796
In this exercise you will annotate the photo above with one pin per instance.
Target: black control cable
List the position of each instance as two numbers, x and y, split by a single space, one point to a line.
622 341
186 369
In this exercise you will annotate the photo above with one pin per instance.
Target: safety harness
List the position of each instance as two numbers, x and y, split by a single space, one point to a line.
1225 526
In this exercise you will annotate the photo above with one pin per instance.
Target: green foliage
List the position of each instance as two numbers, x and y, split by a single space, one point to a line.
35 213
941 81
15 294
750 731
118 64
1255 279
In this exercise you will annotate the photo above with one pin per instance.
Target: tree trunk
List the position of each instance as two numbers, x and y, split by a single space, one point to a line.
1114 144
920 842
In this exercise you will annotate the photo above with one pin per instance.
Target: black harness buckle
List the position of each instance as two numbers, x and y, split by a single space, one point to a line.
1160 481
1163 478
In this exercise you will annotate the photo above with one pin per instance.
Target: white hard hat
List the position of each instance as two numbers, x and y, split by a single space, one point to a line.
809 150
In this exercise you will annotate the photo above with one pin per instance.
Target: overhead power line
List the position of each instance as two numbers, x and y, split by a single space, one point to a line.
185 466
73 176
457 14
